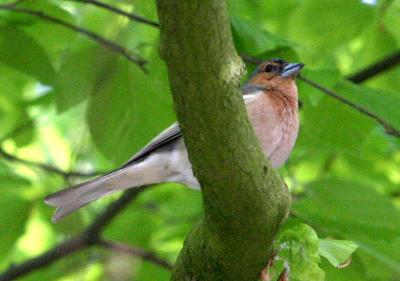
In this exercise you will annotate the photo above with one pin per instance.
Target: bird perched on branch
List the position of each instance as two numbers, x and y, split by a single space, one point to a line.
270 96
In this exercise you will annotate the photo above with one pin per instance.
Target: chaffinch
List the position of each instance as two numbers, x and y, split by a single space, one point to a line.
271 100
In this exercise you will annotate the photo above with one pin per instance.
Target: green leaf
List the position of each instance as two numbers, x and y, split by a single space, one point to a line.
327 77
336 252
15 212
23 20
13 109
320 131
355 212
127 108
321 114
250 39
392 19
21 52
55 39
79 74
324 25
377 44
300 246
273 15
349 207
381 257
382 103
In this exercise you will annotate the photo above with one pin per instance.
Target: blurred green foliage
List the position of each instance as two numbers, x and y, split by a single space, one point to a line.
69 102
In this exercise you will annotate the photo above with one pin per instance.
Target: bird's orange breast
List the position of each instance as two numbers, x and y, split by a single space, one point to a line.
274 117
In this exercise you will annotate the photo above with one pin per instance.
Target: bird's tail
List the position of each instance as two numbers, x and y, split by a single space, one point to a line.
75 197
143 173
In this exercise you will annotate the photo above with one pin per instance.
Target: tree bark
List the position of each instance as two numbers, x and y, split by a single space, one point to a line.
245 201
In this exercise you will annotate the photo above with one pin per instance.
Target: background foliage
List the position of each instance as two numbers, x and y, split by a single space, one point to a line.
72 103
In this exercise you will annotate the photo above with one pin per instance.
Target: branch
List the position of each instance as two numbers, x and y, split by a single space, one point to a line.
113 46
46 167
245 200
88 238
377 68
62 250
388 127
118 11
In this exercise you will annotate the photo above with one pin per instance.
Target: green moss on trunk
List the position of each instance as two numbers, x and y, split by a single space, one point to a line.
245 200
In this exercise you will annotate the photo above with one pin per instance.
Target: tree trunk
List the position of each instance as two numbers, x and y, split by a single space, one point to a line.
245 201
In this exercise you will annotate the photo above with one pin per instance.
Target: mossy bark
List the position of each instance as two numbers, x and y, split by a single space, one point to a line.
245 200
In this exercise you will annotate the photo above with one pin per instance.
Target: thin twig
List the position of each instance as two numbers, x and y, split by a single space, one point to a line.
377 68
250 59
113 46
388 127
90 237
47 167
62 250
15 3
116 10
137 252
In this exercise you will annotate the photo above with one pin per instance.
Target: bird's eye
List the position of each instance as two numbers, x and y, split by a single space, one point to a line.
269 68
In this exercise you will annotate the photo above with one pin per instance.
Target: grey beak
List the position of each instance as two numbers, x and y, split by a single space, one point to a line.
292 69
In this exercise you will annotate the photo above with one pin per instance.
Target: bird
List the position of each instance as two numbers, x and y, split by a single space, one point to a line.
271 100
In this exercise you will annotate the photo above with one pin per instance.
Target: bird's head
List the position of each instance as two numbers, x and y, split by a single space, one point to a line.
276 73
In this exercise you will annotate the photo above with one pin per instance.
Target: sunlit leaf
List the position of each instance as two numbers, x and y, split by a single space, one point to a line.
323 24
250 39
337 252
15 212
299 245
79 74
54 38
392 19
377 43
127 108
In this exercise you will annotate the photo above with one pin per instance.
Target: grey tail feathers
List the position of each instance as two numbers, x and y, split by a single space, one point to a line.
75 197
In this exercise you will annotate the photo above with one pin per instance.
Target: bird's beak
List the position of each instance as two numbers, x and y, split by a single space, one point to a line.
292 69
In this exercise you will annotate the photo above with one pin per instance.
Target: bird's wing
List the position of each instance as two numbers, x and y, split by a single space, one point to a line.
251 89
167 136
174 132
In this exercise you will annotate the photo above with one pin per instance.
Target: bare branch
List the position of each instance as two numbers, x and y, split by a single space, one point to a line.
388 127
46 167
62 250
90 237
250 60
377 68
116 10
113 46
137 252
